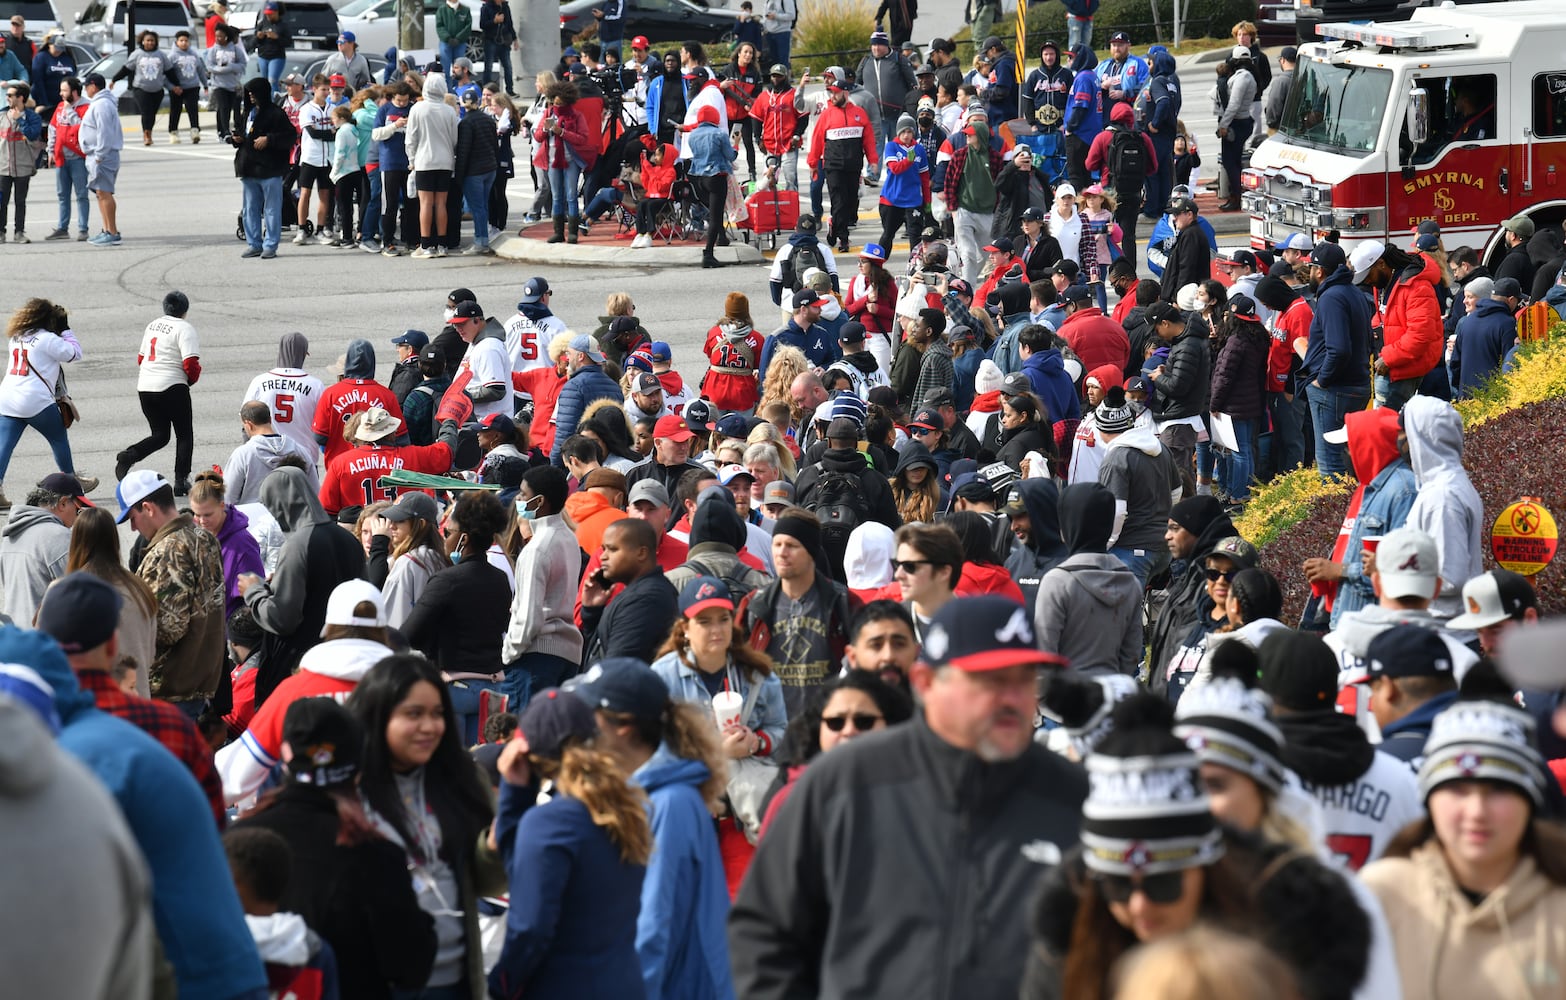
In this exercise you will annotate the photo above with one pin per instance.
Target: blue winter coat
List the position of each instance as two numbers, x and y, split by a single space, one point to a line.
1337 354
1163 95
1084 108
581 390
681 934
1081 8
571 927
199 919
820 348
1483 338
1001 96
1046 371
964 370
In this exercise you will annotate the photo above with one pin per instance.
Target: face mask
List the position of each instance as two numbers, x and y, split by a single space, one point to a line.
450 312
456 557
524 512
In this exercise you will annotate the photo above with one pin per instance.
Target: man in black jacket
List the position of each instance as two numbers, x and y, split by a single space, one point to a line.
843 877
1517 263
1190 260
815 493
1181 386
1196 526
636 622
261 151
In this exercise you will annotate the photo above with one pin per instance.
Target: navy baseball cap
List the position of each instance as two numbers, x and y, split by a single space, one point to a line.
1407 651
1328 256
624 685
983 633
552 718
416 339
535 289
704 592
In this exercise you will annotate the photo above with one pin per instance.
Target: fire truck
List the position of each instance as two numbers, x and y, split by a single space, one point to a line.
1457 115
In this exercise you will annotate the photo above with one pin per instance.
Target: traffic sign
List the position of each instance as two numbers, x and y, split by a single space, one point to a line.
1524 537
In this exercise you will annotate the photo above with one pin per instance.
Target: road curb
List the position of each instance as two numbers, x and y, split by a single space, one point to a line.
520 248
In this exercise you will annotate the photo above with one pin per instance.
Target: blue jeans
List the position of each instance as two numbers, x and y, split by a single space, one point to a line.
1288 446
69 179
1204 460
272 69
534 672
370 224
465 706
779 44
562 184
1079 31
605 199
1142 563
1328 407
817 192
498 52
1395 394
475 192
46 422
450 52
263 207
1242 464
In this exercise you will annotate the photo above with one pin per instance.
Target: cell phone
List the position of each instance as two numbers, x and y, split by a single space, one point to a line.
600 580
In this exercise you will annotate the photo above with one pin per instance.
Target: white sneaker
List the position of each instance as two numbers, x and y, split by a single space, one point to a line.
300 239
642 241
440 251
421 253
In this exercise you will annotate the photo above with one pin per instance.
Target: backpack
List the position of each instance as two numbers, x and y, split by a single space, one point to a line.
804 257
1127 161
838 499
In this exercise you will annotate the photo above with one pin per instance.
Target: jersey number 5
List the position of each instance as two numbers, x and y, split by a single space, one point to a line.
283 408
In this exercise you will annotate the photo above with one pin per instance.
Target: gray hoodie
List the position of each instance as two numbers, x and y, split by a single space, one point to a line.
253 461
1447 507
1350 641
432 129
293 348
1089 607
226 65
33 547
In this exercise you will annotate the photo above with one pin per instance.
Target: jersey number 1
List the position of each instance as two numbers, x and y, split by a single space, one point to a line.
19 362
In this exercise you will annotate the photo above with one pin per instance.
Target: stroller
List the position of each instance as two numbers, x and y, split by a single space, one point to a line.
770 212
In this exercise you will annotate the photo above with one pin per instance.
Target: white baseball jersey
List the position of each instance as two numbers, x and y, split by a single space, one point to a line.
527 342
165 345
292 394
490 365
1361 817
32 367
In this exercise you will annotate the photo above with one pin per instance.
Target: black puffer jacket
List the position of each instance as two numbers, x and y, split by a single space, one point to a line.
1239 386
1302 911
1182 389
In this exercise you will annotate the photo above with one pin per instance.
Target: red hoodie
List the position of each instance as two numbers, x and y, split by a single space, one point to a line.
987 578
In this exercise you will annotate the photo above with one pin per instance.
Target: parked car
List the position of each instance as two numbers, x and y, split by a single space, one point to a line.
41 16
312 24
102 25
374 24
308 62
662 21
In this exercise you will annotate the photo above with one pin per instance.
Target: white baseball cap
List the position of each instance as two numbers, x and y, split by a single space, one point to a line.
1364 258
349 595
138 485
1408 564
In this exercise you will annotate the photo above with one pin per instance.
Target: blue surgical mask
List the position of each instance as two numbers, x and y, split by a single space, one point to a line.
524 511
456 557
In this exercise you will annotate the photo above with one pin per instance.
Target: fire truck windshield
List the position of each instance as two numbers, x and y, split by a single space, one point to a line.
1337 108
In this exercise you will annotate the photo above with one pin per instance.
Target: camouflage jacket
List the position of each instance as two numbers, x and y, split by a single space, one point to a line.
184 567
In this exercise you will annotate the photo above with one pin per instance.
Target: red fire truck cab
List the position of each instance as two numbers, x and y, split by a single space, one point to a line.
1458 115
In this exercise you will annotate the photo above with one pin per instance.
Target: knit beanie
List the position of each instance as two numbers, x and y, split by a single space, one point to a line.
1299 671
1483 741
1082 705
1115 415
988 378
1225 722
1194 514
905 121
736 306
805 529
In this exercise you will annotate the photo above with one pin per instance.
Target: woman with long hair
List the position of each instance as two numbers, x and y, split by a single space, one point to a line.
1475 892
1025 427
348 882
241 552
577 862
1154 861
742 81
95 549
705 656
1251 611
670 749
417 552
849 706
148 68
39 342
787 364
422 792
605 422
1211 318
563 150
768 435
1239 389
508 122
543 198
871 297
916 485
982 573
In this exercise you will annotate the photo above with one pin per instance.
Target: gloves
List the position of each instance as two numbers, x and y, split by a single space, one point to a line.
192 368
455 404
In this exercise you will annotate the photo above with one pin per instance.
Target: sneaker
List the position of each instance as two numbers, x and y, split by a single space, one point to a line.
5 504
642 241
195 135
390 250
440 251
422 253
59 234
122 464
325 238
472 250
252 252
370 246
102 239
20 237
173 138
81 237
300 239
113 240
528 219
268 254
89 483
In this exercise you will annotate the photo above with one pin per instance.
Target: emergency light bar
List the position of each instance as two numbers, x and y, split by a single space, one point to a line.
1407 35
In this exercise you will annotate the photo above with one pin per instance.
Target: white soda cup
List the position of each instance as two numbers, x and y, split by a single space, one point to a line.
726 708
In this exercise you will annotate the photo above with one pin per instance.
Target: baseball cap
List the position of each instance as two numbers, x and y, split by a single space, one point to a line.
95 80
1493 597
468 309
552 719
640 42
1364 258
660 351
1237 550
413 505
938 397
650 491
496 422
990 42
138 485
80 612
778 491
289 79
924 69
704 592
778 69
337 80
584 343
672 428
1281 270
843 429
1408 564
327 742
622 325
348 595
433 354
1015 384
346 37
416 339
1519 224
851 333
1068 268
1032 214
1239 52
873 251
980 633
807 297
1243 307
928 420
1296 241
624 685
1328 256
1120 36
698 416
942 45
960 285
733 471
1506 288
1429 227
1177 205
1243 258
1077 293
1290 53
647 382
535 289
1407 651
999 245
735 425
66 485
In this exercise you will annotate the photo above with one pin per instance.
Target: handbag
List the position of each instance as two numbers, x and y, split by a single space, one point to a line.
69 414
749 779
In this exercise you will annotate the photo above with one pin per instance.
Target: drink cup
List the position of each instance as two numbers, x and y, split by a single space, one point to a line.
726 708
1371 542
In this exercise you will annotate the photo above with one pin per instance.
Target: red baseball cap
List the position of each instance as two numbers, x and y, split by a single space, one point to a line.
639 42
672 428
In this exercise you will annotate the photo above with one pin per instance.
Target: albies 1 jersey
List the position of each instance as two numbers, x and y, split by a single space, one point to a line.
165 345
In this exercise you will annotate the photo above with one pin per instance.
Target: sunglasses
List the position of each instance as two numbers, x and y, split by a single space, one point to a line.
909 566
1220 574
862 723
1163 889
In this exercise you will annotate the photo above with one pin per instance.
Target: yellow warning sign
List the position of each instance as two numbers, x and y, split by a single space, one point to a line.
1524 537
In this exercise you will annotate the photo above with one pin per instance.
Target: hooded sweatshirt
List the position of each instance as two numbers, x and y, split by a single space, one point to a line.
291 393
716 538
681 931
868 561
297 961
316 557
1089 607
329 670
1448 507
199 920
1087 452
1084 110
1044 549
356 392
431 139
1187 588
1350 639
1366 797
1142 475
1046 371
592 514
33 549
1385 498
253 461
733 351
241 554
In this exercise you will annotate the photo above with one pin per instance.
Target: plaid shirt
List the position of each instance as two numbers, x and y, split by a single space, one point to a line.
164 723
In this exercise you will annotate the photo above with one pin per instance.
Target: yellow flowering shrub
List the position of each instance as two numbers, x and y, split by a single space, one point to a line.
1288 499
1538 373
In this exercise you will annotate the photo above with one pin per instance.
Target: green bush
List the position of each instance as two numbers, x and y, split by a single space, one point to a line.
827 28
1211 18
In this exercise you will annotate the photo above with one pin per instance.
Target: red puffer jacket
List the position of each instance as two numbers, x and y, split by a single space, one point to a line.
1411 321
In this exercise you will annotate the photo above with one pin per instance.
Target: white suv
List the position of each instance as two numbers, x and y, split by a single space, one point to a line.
374 25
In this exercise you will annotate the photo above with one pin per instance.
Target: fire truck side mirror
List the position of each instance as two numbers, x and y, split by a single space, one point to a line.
1418 116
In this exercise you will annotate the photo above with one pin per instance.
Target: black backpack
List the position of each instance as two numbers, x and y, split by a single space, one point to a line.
1127 161
838 500
805 256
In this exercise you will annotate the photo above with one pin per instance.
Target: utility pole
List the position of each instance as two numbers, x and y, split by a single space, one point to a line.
410 24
